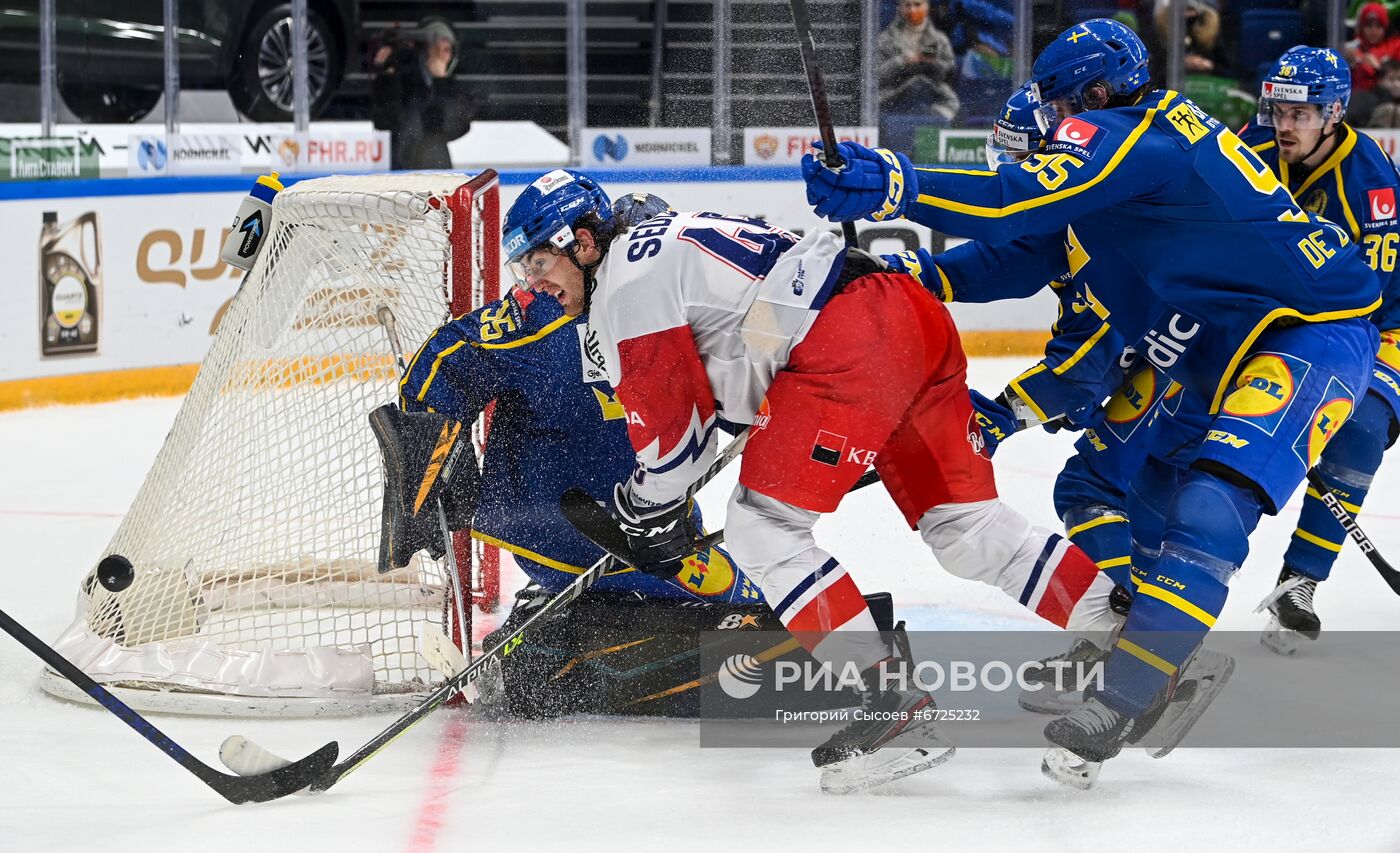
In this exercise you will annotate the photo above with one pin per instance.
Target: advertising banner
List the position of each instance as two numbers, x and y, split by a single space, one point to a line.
129 281
320 152
38 158
772 146
187 154
645 146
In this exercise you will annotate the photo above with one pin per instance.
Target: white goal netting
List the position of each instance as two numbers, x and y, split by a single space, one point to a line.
255 534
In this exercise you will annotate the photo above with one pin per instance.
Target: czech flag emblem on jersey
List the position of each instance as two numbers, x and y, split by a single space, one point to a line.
1382 204
1076 136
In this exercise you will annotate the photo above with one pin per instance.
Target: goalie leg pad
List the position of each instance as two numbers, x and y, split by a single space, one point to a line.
427 460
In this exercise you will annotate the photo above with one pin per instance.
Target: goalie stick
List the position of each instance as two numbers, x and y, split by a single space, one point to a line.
816 87
264 785
244 757
1339 512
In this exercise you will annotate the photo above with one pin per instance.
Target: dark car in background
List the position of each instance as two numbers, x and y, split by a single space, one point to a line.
111 52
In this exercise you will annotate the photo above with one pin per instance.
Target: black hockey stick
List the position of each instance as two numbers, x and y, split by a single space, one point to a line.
243 756
817 88
1339 512
236 789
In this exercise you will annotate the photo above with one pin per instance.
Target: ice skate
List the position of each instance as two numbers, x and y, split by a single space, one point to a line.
862 755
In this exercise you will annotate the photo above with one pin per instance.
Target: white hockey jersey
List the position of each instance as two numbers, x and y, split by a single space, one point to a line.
694 314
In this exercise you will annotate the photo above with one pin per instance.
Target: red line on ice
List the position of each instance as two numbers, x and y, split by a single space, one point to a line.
433 811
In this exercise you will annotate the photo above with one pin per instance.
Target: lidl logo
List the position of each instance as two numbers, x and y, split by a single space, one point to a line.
1329 418
1382 203
1135 397
707 573
1389 352
1264 390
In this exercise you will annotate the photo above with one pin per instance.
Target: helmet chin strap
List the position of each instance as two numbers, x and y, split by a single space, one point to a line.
590 281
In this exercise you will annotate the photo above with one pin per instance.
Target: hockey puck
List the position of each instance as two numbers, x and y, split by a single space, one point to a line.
115 573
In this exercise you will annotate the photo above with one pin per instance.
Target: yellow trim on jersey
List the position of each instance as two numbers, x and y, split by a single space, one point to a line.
528 339
540 558
947 285
1262 147
1031 203
1083 350
1145 656
1103 519
981 172
1334 547
1026 398
1333 164
432 372
1176 601
1351 508
1114 563
1268 320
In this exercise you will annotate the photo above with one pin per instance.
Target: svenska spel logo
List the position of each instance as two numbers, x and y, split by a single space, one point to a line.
1382 202
1075 132
740 676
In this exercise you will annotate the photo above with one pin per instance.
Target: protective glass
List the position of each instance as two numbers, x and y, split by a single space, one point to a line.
999 153
1047 115
1302 116
532 266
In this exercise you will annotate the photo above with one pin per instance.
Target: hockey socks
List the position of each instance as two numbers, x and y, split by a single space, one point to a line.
1348 466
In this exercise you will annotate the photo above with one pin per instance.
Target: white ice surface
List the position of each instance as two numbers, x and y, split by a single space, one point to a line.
75 778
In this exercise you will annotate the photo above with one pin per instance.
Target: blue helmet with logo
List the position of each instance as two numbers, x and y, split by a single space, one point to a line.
1099 51
636 208
546 214
1306 75
1015 136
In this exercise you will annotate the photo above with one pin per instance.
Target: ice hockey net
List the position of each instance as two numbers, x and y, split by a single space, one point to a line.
255 534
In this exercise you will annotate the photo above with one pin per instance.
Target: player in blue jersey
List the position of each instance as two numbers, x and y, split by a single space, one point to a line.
1256 307
1341 173
557 424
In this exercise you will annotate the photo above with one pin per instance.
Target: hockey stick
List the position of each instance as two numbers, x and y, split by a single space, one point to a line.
236 789
1339 512
242 755
816 87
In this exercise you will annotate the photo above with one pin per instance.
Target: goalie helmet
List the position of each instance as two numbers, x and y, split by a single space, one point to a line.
545 214
1306 75
1015 136
1096 51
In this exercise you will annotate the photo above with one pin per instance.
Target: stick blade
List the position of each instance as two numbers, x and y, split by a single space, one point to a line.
267 776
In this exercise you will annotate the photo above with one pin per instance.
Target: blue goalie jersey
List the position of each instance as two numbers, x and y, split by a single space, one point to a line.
557 424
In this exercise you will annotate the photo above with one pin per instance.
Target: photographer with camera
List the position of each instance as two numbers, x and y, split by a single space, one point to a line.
416 99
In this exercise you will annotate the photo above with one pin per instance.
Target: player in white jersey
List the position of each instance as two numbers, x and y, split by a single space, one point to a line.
839 365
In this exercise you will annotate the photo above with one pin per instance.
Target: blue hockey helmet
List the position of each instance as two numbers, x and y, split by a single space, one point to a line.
545 214
1015 136
1306 75
636 208
1098 51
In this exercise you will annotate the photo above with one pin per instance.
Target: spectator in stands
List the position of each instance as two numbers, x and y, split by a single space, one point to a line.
1205 50
1372 46
916 65
415 98
1387 93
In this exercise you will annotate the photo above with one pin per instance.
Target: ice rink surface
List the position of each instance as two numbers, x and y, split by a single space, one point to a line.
75 778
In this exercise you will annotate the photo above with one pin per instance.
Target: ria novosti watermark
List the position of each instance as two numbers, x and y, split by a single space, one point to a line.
742 676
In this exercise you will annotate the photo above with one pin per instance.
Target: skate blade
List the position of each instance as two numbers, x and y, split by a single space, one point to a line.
1210 671
863 772
1069 769
1280 640
1049 701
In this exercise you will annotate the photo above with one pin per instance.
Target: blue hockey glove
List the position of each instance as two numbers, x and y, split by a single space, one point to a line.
660 537
873 183
995 419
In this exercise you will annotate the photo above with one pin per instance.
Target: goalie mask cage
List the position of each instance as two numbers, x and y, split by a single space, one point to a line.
255 535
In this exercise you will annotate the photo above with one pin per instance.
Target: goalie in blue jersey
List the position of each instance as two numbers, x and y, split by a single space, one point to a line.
1196 253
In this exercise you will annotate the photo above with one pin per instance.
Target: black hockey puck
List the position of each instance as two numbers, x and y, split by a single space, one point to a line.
115 573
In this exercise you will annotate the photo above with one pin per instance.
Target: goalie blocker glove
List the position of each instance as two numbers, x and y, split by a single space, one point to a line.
658 537
426 460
